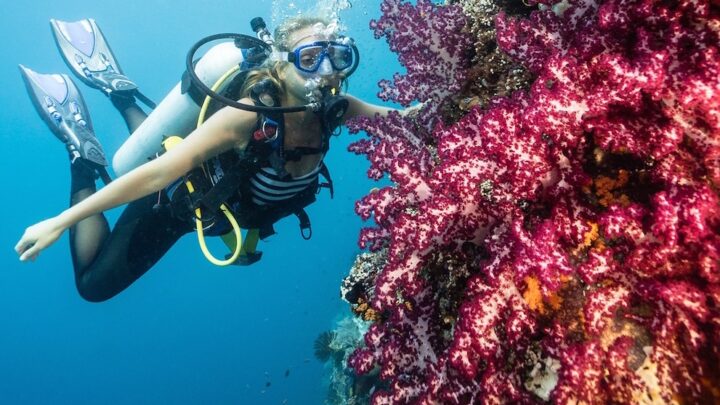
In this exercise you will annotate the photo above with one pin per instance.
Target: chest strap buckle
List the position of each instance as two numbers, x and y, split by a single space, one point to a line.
267 132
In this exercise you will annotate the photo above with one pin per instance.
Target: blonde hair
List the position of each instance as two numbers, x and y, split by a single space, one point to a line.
285 30
270 69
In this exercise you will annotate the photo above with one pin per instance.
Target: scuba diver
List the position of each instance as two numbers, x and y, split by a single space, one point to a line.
252 151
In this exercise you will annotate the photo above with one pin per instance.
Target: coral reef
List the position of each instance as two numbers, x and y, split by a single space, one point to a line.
344 387
492 72
560 243
360 283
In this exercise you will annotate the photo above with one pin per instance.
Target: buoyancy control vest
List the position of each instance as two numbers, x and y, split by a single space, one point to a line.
226 179
216 196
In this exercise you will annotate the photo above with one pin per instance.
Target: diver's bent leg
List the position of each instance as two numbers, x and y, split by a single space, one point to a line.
88 235
130 111
140 238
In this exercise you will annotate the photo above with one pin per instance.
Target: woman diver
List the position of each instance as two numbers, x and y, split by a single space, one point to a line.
265 162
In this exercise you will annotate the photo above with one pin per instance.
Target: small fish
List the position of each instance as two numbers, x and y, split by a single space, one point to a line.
267 384
287 372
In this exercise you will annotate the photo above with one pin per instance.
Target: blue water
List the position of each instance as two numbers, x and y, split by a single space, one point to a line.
186 332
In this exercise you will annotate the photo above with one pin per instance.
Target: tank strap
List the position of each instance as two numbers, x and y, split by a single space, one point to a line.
188 87
325 172
295 154
145 99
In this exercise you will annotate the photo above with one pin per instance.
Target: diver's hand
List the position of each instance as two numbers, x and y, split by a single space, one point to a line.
413 111
38 237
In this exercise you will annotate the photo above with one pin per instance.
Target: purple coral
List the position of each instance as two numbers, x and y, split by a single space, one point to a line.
430 45
631 280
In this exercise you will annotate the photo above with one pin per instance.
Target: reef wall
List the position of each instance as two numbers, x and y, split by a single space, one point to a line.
552 231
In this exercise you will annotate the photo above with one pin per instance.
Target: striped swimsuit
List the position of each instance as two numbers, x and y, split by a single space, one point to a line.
268 188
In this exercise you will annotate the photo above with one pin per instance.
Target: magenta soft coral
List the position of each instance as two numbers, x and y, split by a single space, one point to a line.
635 282
429 44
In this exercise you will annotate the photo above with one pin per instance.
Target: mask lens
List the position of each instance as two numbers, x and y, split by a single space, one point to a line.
309 58
340 55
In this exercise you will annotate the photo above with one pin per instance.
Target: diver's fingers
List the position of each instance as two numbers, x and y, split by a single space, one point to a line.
30 254
23 245
20 246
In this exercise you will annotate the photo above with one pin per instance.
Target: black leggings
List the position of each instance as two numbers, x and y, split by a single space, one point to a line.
106 262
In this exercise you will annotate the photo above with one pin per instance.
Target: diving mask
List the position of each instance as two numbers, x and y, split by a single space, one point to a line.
308 58
324 57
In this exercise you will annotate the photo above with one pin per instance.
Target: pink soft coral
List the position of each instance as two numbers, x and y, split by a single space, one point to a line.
628 281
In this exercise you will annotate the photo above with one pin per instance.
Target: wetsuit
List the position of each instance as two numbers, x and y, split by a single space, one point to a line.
106 262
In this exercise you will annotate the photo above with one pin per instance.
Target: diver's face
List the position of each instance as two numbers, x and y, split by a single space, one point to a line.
297 81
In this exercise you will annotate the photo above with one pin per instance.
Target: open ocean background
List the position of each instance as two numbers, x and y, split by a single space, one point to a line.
186 332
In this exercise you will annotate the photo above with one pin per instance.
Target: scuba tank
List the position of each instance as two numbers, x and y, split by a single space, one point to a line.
177 113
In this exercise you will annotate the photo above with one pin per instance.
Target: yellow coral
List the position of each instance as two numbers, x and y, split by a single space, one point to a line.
592 235
606 186
591 238
370 315
363 309
555 301
533 296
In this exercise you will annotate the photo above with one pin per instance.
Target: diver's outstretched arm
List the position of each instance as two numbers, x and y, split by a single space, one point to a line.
226 129
359 108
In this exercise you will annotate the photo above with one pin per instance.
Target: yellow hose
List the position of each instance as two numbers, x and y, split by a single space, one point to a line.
168 144
203 246
173 141
218 83
198 213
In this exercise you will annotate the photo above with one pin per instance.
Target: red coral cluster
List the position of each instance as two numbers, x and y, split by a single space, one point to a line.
431 47
634 282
